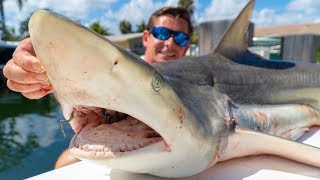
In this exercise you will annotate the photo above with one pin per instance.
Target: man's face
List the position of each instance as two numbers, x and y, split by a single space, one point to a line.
164 50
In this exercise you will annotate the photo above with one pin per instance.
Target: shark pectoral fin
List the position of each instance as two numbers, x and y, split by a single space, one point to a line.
289 121
245 143
234 41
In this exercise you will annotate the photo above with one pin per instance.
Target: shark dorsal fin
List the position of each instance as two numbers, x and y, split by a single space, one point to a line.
234 41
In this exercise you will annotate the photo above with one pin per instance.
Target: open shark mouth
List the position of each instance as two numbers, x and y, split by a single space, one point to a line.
104 130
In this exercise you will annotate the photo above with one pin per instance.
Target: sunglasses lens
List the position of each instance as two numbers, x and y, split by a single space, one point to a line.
181 38
161 33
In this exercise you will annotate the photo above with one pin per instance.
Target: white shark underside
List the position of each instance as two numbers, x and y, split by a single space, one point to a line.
178 118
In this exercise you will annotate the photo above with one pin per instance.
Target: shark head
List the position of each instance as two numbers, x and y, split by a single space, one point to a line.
156 129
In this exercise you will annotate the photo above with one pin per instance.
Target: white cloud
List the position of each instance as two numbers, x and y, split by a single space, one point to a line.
136 11
13 11
306 6
306 10
78 10
264 16
296 12
221 9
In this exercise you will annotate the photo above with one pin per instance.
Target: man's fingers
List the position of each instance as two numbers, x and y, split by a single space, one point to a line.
25 73
26 88
24 56
38 94
15 73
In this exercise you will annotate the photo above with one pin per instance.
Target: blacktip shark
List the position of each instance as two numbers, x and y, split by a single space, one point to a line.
176 119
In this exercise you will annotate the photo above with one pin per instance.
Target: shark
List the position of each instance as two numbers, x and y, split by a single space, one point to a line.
179 118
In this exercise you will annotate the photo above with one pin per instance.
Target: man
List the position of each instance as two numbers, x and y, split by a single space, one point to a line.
166 38
172 46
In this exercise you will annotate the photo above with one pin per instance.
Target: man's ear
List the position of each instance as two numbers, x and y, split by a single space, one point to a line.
145 38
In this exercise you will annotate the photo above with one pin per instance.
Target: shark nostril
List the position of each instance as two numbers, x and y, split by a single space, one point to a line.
116 62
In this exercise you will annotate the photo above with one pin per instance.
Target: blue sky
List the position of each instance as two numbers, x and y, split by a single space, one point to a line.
110 12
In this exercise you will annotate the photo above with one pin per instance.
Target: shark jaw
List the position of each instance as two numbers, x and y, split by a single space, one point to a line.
131 145
145 144
95 132
94 75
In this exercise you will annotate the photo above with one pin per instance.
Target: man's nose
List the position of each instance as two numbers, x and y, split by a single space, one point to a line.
169 42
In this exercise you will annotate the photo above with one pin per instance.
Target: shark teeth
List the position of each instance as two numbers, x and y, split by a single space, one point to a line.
118 147
124 135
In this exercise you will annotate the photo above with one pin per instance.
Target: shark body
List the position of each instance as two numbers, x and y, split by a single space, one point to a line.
178 118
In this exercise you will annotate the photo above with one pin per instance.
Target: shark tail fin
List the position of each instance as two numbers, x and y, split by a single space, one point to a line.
234 41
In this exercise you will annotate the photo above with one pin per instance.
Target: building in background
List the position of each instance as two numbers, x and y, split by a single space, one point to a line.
298 42
131 42
267 47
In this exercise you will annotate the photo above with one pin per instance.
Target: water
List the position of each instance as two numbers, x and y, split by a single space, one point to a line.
30 136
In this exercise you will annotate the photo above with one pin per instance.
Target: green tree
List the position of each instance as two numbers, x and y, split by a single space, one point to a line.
95 26
24 26
318 54
188 4
24 29
2 23
125 27
10 34
194 37
141 27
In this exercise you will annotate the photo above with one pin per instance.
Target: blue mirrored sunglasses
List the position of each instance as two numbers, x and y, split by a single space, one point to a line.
162 33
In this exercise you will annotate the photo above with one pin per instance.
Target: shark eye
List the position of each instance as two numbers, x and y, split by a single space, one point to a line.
156 82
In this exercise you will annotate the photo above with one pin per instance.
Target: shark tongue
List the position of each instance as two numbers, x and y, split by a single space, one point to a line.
125 135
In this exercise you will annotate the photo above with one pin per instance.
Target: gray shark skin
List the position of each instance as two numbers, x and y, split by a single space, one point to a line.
176 119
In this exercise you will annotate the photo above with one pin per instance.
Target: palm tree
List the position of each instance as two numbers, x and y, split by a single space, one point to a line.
141 27
95 26
125 27
2 21
188 4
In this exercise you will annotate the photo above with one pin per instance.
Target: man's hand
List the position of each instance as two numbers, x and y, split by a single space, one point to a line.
25 73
